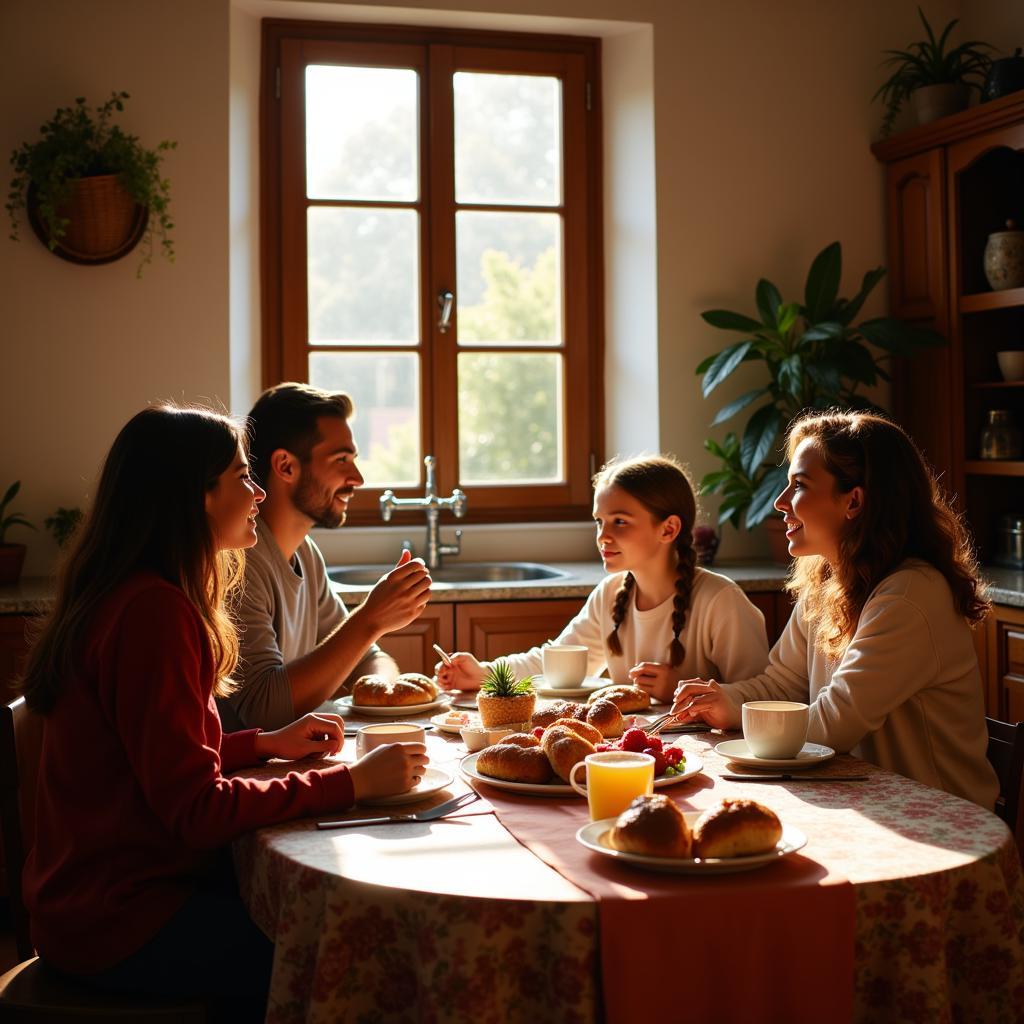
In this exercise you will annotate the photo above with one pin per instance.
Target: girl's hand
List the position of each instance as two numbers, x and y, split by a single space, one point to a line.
389 769
657 679
464 673
308 737
696 700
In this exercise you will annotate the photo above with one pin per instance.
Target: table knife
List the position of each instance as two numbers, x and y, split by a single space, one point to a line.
393 819
794 778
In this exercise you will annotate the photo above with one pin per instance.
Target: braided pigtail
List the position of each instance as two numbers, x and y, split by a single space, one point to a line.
619 613
686 570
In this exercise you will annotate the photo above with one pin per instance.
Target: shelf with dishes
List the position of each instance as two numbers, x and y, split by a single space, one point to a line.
983 302
994 467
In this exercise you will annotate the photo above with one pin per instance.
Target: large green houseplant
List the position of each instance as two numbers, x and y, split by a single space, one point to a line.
815 357
928 63
80 143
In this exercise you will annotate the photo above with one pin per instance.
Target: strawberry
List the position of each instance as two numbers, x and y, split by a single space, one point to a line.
634 740
673 755
539 731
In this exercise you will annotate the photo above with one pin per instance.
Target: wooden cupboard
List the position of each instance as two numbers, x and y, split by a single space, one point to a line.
1003 636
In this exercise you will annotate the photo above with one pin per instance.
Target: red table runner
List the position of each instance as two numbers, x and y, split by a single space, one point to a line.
772 944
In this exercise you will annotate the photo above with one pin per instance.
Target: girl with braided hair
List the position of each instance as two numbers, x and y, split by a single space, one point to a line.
658 615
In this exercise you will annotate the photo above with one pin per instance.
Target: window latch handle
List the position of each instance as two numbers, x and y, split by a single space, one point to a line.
445 301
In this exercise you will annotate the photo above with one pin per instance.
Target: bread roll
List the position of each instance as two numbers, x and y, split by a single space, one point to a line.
588 732
565 748
652 826
408 689
626 698
550 713
736 828
513 763
521 739
606 717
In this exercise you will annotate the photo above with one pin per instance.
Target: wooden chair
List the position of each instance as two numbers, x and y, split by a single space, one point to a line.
1006 754
29 991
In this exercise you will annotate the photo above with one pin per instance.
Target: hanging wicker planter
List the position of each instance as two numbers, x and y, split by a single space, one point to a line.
104 222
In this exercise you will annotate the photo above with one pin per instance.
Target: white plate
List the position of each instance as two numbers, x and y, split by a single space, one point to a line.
588 686
592 836
438 721
810 753
345 704
433 780
643 721
468 765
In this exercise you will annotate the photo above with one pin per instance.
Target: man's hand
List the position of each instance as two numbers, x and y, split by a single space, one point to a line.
657 679
308 737
389 769
397 598
696 700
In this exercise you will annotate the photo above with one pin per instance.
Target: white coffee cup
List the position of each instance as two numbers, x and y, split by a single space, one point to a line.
371 736
775 729
565 665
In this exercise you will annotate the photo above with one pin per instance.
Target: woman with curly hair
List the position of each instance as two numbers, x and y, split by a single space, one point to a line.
658 616
887 591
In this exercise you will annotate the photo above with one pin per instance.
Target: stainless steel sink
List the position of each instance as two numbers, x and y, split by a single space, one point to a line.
465 572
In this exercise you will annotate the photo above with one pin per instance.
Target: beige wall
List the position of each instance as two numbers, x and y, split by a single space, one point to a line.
761 133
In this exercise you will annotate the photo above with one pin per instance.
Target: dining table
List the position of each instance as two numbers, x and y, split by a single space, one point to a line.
905 903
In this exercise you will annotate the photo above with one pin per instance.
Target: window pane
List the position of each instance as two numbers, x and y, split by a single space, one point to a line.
508 139
509 273
363 283
361 135
510 418
386 424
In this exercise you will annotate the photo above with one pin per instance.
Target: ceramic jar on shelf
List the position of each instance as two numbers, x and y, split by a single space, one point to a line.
1001 438
1004 258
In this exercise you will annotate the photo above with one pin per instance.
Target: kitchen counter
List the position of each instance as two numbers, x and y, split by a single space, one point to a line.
33 594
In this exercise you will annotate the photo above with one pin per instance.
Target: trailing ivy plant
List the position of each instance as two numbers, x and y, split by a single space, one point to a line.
815 357
78 142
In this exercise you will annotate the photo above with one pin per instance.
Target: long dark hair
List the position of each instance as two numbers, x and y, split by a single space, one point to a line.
661 485
149 513
904 516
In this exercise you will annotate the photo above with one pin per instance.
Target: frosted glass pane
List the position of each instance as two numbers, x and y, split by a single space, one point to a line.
508 139
510 418
386 425
363 276
509 277
361 133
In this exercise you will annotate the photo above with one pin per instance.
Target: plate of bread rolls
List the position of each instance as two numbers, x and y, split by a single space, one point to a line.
379 697
656 835
527 763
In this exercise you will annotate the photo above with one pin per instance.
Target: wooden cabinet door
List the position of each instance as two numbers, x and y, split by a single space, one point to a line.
489 629
765 602
412 646
1006 663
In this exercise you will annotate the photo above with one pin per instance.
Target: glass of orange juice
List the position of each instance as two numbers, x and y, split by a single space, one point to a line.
614 778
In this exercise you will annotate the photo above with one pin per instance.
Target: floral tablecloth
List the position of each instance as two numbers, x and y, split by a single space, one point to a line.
454 920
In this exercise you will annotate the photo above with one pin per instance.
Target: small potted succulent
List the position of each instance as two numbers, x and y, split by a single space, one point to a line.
12 556
934 79
90 189
63 523
503 699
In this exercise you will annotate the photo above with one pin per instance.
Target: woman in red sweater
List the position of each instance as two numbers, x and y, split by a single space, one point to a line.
128 883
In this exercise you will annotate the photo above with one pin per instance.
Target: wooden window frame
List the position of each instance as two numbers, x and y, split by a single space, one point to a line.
287 44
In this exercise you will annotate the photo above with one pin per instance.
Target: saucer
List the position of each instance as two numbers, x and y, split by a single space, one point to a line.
381 711
588 686
433 780
810 753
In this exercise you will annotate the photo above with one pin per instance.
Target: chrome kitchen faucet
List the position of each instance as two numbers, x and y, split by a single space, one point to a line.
432 505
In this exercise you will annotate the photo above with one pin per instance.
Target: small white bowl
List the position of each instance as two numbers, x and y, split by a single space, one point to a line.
1011 364
475 739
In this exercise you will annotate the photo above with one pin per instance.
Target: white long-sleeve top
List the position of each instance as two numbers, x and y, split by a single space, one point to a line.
907 693
724 635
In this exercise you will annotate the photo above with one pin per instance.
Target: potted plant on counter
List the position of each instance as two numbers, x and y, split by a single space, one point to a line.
12 556
814 356
91 190
934 79
503 699
63 523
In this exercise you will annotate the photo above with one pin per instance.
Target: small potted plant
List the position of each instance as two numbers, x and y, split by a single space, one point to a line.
815 357
934 79
63 523
90 189
12 556
503 699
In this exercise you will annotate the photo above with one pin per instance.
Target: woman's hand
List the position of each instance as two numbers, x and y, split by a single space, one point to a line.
696 700
309 736
657 679
464 673
389 769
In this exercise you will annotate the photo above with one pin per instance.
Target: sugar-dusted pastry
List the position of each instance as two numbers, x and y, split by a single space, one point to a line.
565 748
652 826
408 689
736 828
521 739
587 731
558 709
607 717
626 698
513 763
